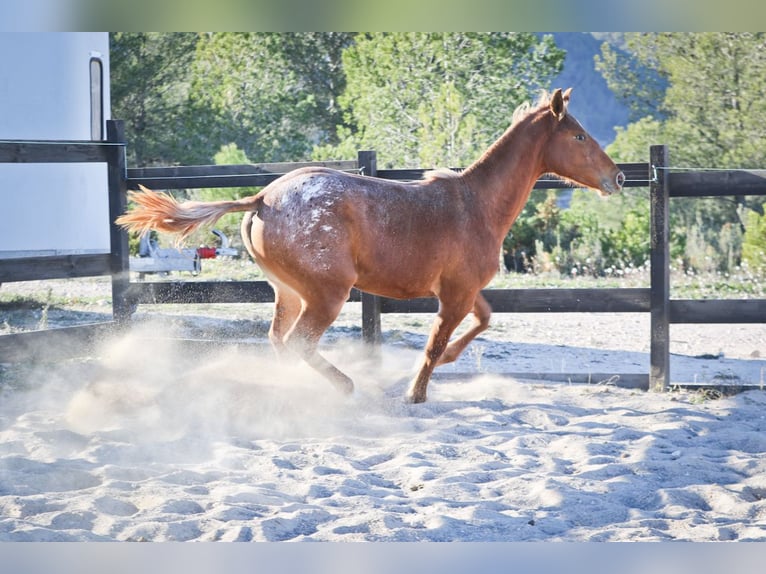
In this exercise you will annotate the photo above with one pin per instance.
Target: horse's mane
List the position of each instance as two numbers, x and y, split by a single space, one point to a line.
526 108
521 112
440 173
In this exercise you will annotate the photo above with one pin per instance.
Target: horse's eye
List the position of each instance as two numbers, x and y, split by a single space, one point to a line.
580 137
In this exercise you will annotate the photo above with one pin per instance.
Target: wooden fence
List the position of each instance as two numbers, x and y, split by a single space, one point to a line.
656 174
53 343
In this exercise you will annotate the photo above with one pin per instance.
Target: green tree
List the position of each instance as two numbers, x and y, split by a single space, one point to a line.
184 96
149 85
633 74
447 133
317 59
274 95
533 232
402 89
754 242
711 105
710 113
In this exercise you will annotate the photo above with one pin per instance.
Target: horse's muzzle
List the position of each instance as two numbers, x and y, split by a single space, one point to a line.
619 180
610 186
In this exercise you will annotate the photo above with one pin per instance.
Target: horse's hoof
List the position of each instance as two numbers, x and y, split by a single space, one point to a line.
344 387
415 399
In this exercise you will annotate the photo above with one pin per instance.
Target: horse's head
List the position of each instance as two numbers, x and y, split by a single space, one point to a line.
573 154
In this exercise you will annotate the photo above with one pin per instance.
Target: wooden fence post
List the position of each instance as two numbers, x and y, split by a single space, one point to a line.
371 328
118 201
659 374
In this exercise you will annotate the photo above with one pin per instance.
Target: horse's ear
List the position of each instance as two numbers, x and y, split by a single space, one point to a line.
558 105
567 95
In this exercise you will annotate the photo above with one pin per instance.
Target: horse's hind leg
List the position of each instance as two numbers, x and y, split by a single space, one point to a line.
481 314
287 307
313 320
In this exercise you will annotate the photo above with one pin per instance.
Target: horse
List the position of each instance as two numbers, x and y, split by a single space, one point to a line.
318 232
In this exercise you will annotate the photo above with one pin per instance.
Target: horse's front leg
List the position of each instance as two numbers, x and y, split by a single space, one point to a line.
451 313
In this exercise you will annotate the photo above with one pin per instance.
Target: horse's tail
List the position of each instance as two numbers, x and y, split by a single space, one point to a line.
161 212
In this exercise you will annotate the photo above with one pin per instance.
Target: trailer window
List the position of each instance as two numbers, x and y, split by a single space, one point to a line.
96 99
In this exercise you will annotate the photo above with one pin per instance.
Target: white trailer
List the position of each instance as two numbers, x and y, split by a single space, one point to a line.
53 86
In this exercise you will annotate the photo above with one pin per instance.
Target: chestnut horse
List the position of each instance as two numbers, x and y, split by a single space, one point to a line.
316 233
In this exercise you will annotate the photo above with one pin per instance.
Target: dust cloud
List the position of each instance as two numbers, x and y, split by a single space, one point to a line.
155 388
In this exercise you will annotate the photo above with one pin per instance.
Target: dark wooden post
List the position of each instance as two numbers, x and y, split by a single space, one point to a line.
118 201
371 328
659 375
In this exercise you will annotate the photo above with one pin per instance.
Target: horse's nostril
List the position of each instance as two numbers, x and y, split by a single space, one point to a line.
620 179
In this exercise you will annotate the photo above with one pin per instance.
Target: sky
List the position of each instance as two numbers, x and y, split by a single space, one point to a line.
393 15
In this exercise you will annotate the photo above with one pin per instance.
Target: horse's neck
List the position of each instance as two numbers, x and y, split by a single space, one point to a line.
503 177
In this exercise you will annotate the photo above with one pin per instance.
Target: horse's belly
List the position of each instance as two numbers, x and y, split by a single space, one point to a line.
401 280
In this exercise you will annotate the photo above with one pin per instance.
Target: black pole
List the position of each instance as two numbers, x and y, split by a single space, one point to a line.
118 201
371 327
659 375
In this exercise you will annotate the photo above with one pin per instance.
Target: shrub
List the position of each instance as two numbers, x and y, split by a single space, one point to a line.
754 242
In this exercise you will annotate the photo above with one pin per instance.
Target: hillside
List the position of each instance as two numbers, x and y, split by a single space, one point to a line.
592 101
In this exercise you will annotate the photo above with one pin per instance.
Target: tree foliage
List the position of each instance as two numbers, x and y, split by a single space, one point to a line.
418 98
184 96
702 94
426 99
754 244
273 94
704 88
149 84
633 74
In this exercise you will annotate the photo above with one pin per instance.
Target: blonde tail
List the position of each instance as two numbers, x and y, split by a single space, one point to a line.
161 212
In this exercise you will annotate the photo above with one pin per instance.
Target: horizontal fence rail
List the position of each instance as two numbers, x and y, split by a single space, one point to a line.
717 183
633 300
257 175
57 151
717 311
615 300
202 176
54 267
53 344
162 292
636 175
43 267
541 300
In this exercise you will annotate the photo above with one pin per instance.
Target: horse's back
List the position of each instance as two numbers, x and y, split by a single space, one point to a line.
396 236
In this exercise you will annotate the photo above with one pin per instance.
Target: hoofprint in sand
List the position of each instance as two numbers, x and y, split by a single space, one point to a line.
149 441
